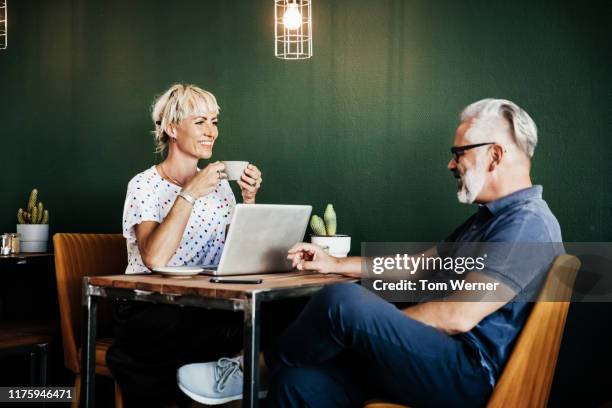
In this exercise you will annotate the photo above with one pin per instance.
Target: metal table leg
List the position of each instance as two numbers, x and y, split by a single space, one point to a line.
34 368
43 350
88 348
251 352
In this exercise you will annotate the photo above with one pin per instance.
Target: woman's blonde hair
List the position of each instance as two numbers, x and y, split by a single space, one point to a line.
177 103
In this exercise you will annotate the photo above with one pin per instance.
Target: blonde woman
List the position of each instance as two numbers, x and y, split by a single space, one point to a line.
176 214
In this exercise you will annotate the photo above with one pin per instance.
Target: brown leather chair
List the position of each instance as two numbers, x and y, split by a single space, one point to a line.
528 375
77 256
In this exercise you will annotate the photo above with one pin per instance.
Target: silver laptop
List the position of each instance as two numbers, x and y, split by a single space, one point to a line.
259 237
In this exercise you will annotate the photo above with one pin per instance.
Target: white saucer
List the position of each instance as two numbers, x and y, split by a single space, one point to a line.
178 271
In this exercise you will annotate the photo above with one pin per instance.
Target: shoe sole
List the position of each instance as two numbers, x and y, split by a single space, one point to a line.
215 401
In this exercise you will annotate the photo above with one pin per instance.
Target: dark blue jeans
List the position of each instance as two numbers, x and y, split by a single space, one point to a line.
348 346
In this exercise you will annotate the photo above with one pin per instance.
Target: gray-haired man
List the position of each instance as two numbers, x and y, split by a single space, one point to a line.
349 345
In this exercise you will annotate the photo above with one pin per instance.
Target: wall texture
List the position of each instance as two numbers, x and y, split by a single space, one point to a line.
365 124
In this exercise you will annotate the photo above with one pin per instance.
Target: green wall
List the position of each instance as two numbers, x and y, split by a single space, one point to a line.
365 124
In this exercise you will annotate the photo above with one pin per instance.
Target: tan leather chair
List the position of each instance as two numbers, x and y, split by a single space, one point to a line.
76 256
528 375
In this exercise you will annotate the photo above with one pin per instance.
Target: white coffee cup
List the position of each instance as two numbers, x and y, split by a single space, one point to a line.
234 169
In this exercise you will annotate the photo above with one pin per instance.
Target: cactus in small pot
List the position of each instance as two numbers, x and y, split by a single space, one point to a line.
324 230
330 220
317 225
35 213
33 225
327 225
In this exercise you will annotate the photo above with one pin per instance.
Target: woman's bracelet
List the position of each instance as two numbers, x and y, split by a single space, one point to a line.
188 197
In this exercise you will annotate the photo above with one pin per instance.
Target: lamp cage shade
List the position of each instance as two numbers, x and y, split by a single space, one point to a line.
293 29
3 25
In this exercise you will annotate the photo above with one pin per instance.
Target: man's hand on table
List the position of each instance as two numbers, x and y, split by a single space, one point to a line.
304 256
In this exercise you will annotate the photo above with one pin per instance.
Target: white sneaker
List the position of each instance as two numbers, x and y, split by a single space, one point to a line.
213 383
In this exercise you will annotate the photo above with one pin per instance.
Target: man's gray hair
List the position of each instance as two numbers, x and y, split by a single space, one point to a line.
486 114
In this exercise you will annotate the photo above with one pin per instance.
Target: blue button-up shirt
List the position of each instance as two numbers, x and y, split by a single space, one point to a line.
520 217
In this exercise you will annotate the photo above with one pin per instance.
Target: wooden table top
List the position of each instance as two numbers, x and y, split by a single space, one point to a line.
200 285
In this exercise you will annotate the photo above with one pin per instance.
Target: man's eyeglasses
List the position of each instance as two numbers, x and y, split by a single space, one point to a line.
458 151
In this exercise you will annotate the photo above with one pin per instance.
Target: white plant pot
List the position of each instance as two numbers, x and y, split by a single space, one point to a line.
339 245
34 237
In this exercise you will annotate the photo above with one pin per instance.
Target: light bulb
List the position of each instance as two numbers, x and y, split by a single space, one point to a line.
292 19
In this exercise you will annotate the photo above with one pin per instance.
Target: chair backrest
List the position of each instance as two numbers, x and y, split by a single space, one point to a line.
528 375
77 256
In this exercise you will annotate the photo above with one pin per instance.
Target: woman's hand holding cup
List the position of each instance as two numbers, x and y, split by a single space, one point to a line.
206 180
249 183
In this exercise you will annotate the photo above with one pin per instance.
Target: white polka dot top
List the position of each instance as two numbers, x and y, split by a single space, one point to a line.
150 198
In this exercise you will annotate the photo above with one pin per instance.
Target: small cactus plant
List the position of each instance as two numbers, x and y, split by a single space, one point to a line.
330 220
326 226
317 225
35 213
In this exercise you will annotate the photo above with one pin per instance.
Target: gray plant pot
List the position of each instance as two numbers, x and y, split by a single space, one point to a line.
34 237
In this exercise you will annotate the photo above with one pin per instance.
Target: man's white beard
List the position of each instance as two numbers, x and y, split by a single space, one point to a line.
471 183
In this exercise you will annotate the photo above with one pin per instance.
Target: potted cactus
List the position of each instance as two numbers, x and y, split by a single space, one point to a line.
33 225
325 233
